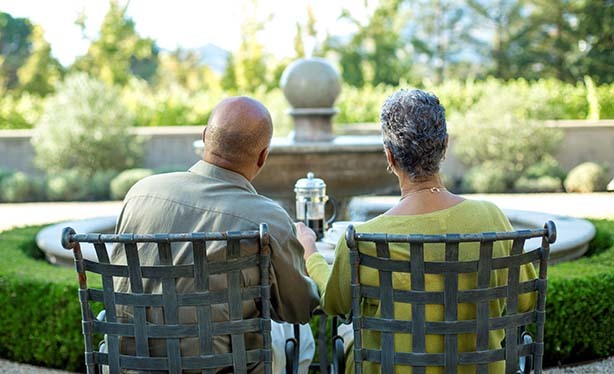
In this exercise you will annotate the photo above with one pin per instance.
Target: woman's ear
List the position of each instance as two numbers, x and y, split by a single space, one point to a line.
390 158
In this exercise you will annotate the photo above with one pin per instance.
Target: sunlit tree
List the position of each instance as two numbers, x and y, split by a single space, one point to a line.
506 22
15 47
375 54
119 51
441 34
41 71
596 38
184 68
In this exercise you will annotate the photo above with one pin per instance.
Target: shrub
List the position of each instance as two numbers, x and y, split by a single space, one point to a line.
5 174
486 178
587 177
604 237
357 105
547 167
40 314
125 180
170 105
498 130
606 100
67 186
20 187
541 184
20 112
85 127
579 309
100 185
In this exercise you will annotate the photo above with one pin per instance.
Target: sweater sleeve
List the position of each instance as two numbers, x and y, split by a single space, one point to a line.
333 282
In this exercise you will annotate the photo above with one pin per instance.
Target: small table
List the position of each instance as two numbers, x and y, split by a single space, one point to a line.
327 250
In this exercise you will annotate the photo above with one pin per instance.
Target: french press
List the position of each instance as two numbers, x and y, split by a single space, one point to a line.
311 201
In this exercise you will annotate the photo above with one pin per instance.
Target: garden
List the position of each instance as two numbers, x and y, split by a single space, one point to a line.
542 62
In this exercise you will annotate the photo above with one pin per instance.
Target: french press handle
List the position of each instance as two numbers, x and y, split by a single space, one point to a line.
332 218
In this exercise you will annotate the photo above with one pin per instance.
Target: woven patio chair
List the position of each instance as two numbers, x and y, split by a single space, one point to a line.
518 349
172 330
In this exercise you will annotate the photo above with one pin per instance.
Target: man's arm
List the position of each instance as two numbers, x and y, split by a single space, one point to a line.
293 294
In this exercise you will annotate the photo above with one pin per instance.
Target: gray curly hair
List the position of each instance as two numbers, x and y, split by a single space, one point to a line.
414 130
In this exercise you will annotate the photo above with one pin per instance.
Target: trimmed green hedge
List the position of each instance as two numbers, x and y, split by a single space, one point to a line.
579 309
40 311
41 317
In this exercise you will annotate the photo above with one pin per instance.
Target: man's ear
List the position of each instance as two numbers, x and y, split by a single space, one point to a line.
262 157
204 133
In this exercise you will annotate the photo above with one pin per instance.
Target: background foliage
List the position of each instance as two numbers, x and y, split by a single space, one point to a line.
85 127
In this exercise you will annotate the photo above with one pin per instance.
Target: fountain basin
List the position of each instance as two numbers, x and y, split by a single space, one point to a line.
573 234
49 239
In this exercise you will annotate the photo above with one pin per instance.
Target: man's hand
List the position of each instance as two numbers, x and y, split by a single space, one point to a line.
307 237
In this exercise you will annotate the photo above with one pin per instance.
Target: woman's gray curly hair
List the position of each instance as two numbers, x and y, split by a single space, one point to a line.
414 130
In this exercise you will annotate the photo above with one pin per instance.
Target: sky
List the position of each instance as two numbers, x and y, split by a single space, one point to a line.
186 23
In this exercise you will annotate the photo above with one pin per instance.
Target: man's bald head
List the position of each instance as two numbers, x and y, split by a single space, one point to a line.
238 131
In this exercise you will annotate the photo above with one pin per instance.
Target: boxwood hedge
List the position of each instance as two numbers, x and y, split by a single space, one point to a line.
39 310
41 318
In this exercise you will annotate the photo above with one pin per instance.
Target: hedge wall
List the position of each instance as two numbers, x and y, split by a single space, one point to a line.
39 310
580 306
41 318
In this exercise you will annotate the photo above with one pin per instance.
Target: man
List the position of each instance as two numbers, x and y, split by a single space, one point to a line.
216 194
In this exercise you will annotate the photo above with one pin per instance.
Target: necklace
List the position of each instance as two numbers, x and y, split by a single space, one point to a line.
431 189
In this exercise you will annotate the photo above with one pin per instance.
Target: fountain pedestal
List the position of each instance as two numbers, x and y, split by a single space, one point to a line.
313 124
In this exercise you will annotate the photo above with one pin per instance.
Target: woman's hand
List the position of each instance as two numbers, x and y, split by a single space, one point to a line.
307 237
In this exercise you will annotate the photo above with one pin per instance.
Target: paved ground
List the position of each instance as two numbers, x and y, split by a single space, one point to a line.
596 205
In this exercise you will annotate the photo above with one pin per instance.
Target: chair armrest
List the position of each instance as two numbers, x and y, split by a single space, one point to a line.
293 348
526 362
338 364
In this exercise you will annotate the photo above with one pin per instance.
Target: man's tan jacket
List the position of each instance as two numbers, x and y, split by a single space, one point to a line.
204 199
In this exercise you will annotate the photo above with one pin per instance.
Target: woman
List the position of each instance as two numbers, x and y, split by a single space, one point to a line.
415 142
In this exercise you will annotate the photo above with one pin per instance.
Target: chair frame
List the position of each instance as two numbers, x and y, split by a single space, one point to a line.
202 299
417 297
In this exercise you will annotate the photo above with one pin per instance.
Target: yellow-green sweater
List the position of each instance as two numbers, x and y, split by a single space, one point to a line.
469 216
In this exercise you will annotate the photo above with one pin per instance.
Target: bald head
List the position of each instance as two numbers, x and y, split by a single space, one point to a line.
238 132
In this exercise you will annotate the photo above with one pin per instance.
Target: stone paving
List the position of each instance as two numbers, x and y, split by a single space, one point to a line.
594 205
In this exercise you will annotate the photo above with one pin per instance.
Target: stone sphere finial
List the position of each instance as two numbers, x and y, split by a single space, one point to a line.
311 83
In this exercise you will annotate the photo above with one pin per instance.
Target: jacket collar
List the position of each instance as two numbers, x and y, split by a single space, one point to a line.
213 171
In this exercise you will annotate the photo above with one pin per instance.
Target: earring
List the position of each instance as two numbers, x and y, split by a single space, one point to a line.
389 169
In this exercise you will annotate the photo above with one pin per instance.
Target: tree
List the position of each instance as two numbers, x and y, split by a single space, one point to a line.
246 69
441 33
15 47
507 24
41 71
183 67
596 33
299 45
375 54
550 49
229 79
119 51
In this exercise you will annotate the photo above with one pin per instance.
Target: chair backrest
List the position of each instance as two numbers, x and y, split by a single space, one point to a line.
416 297
171 330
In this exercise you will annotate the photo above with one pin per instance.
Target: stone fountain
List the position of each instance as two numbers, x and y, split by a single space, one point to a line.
350 165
